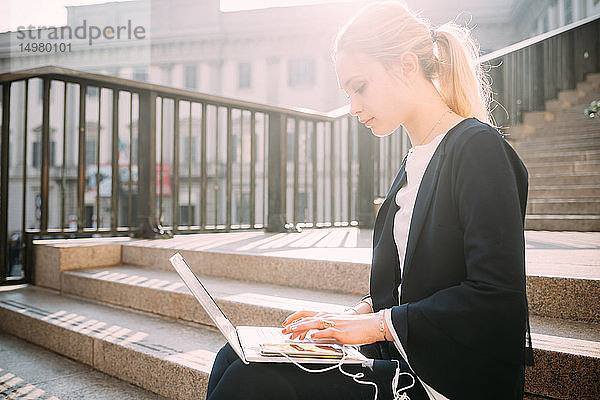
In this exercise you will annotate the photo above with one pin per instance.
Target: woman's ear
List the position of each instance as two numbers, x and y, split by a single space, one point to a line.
406 68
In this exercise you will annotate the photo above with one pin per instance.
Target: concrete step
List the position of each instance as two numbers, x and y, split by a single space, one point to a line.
593 77
170 358
564 167
564 206
173 358
549 222
564 192
164 293
589 136
581 178
558 156
32 372
567 359
344 273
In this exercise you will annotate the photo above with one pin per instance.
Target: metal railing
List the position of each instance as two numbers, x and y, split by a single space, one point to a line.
85 154
528 73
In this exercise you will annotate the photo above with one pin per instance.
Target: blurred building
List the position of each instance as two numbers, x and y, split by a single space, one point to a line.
278 56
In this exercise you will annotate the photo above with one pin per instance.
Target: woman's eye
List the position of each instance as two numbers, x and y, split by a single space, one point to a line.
361 88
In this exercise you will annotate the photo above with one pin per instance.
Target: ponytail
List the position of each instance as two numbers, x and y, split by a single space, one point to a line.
463 84
448 55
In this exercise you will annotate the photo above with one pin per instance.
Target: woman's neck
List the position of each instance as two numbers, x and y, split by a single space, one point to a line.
430 116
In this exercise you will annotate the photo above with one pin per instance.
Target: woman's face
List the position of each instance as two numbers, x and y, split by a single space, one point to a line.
377 97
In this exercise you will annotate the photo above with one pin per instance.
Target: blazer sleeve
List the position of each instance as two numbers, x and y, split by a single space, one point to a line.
486 312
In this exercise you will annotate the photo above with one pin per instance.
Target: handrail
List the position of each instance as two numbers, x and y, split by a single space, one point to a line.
536 39
111 82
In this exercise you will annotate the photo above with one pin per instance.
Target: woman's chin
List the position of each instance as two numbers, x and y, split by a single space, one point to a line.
379 132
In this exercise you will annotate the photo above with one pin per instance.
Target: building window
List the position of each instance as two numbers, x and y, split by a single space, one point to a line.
568 11
186 214
189 152
244 73
91 151
301 72
140 74
37 154
190 78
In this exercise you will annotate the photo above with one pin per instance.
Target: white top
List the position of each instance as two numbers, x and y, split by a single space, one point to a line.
417 161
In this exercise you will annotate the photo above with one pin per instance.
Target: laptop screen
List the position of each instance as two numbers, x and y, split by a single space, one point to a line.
211 308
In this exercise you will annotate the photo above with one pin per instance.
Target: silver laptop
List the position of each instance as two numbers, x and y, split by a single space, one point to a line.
246 341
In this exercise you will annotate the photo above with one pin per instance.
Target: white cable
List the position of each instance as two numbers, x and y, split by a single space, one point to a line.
399 394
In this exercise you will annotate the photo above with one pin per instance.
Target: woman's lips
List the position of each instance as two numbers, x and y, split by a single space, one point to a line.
367 122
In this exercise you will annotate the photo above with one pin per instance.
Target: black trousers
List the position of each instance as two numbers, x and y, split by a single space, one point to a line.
231 379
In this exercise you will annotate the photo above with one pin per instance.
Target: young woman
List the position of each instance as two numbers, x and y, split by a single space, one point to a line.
447 292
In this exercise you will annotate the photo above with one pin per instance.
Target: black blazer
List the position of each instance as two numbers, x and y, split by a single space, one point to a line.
462 315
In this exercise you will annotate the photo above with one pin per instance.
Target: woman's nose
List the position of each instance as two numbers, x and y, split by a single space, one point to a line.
355 107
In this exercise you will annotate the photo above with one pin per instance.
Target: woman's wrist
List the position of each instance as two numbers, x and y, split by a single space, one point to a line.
382 326
362 307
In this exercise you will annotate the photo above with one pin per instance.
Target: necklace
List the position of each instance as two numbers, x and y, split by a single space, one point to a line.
436 124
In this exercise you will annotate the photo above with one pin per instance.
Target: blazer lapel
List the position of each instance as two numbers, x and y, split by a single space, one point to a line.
422 203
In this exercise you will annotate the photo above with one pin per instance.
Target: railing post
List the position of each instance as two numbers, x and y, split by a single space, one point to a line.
538 102
4 154
276 157
45 175
366 178
147 224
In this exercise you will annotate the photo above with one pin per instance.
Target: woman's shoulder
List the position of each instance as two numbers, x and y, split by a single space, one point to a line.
471 132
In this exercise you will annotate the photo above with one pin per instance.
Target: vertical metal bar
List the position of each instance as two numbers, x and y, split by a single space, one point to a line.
266 166
332 172
160 168
295 201
189 177
216 186
229 168
349 173
252 169
366 145
147 224
114 201
324 175
306 155
175 168
203 154
25 138
63 170
81 159
241 205
130 222
98 159
4 154
314 174
45 175
276 174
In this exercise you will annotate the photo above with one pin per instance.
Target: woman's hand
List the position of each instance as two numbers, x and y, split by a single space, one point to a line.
346 329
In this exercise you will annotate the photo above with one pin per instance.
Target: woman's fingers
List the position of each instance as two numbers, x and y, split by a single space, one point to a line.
301 326
326 334
297 315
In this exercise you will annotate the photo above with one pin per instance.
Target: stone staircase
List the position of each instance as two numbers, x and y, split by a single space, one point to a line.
116 304
561 148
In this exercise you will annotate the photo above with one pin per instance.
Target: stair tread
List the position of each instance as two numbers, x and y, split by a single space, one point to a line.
37 370
573 337
194 346
255 293
181 343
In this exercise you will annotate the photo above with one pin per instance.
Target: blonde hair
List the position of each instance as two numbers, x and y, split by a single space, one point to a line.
385 30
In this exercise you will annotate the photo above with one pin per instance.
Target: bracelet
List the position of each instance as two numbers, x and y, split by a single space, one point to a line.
382 324
351 309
